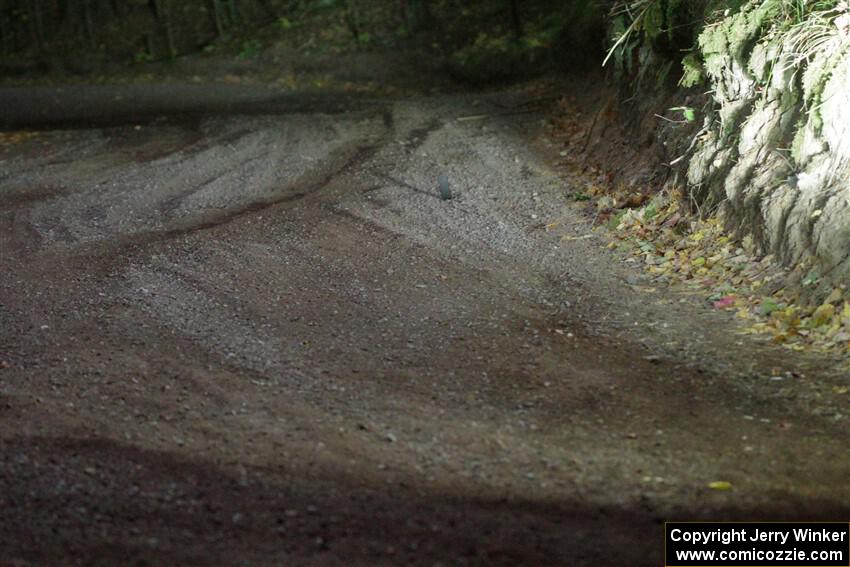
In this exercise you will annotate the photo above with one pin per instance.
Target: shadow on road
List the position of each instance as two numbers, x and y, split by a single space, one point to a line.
81 106
154 507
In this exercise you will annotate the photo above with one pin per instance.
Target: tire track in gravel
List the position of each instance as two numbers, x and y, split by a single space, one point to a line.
309 188
198 187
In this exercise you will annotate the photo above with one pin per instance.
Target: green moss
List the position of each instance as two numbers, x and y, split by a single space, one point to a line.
798 141
734 36
693 72
815 79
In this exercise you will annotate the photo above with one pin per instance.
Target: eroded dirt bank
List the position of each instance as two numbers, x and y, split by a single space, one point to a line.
254 335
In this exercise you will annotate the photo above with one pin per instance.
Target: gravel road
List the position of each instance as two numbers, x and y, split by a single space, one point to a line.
242 328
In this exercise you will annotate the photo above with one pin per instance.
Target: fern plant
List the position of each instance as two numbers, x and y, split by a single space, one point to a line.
648 38
641 21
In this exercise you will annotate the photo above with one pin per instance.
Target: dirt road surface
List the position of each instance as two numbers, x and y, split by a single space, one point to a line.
242 328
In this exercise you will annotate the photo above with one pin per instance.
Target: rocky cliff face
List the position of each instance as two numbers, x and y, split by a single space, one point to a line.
775 151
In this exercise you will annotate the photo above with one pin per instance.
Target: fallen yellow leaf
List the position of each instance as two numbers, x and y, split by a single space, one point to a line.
836 296
823 315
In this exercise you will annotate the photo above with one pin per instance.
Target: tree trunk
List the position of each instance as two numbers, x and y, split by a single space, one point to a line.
418 15
89 21
232 12
405 15
516 20
5 33
37 23
71 16
351 19
163 9
217 17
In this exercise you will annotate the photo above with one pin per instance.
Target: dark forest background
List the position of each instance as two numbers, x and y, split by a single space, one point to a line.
482 38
